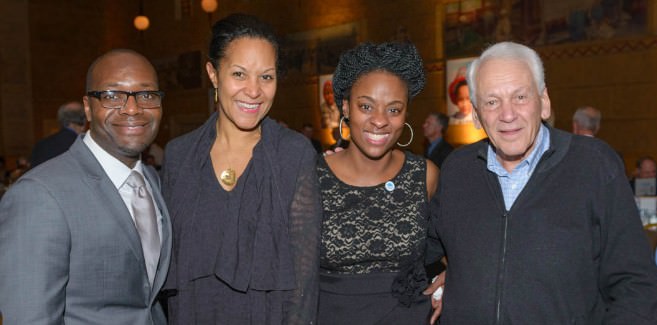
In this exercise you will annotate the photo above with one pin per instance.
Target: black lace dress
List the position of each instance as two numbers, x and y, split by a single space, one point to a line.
372 249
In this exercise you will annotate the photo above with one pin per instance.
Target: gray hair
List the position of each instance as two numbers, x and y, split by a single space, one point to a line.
506 51
71 112
588 118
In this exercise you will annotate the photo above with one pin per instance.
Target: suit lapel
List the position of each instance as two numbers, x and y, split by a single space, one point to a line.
110 202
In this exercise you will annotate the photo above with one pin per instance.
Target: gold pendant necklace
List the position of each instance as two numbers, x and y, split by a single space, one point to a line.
228 177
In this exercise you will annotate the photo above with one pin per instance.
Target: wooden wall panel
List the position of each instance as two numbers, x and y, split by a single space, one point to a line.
618 77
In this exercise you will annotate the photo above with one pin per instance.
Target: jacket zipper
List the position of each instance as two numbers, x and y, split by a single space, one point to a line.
506 215
500 276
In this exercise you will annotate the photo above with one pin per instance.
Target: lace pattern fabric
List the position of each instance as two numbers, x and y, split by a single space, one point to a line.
377 228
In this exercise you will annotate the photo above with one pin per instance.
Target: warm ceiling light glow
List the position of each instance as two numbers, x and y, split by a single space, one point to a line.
141 22
209 6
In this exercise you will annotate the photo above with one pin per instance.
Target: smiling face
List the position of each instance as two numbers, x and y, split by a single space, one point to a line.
124 133
510 108
246 79
377 113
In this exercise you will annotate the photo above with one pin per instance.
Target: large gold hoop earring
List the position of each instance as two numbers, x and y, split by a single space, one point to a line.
342 119
216 95
409 141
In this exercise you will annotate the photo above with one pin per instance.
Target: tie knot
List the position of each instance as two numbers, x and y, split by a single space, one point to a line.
136 181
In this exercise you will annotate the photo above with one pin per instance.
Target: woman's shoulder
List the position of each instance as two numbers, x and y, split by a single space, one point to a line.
414 161
180 142
183 142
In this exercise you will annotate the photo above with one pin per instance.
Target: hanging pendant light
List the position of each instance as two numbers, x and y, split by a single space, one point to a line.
141 22
209 6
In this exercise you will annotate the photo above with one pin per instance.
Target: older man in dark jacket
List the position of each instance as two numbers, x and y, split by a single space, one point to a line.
539 226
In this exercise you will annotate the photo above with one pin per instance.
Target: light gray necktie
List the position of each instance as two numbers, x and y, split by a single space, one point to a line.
145 220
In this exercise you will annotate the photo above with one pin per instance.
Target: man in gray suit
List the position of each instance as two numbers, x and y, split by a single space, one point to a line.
73 245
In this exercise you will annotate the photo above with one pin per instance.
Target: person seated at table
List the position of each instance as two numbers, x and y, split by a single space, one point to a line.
646 168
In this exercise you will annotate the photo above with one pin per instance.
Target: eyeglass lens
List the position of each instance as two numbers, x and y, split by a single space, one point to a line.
118 99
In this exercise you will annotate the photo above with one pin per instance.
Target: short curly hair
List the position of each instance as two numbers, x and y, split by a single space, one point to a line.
399 58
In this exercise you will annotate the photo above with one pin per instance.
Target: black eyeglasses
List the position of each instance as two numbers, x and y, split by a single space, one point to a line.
116 99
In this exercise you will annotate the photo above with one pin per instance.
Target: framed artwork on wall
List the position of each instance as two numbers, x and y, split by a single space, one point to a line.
327 106
461 129
470 25
180 72
316 52
459 108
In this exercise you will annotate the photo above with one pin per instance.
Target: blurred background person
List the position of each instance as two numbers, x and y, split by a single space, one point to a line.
434 127
308 130
586 121
646 168
375 196
156 153
243 196
72 122
22 166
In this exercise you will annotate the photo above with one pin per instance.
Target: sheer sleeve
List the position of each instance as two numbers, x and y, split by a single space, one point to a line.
434 247
305 223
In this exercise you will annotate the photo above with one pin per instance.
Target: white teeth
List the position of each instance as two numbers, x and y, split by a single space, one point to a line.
249 106
377 137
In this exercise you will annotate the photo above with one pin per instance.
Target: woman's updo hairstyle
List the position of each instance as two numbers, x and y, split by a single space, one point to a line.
400 59
236 26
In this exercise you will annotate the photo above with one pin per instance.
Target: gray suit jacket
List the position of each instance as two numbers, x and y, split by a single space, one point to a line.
69 250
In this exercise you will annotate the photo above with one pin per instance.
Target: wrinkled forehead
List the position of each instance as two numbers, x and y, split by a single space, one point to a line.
506 75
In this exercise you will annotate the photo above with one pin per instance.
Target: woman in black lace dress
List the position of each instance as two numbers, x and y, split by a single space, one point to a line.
375 196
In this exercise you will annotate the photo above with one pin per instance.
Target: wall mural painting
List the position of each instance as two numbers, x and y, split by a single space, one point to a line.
313 55
317 51
472 24
184 71
327 106
461 129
